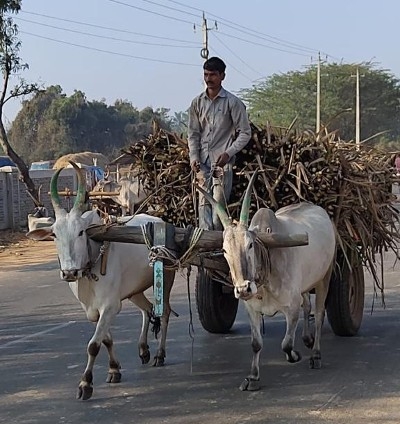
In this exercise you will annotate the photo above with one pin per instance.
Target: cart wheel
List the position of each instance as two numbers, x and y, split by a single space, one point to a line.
345 301
216 304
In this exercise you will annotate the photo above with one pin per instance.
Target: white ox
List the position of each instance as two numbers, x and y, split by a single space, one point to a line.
127 276
279 279
131 192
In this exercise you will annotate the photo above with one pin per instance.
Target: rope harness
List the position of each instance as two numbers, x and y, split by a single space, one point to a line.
168 256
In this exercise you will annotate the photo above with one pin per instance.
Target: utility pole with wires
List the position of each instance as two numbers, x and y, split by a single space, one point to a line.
318 108
357 109
357 77
205 51
318 119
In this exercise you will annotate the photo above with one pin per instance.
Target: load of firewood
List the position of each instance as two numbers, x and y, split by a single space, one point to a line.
352 183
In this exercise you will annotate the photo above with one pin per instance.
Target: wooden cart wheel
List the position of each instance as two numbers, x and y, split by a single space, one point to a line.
345 301
216 304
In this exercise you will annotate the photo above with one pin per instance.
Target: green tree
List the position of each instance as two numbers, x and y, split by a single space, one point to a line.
179 122
280 98
52 124
11 66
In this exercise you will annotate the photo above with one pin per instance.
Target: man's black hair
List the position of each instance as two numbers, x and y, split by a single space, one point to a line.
214 64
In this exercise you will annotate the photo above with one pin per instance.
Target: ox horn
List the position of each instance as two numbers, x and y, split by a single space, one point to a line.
81 192
222 215
244 212
55 198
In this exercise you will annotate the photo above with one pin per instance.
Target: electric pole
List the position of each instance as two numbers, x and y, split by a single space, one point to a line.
318 120
357 77
357 110
204 51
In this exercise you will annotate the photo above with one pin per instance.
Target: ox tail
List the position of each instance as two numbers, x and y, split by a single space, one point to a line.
155 324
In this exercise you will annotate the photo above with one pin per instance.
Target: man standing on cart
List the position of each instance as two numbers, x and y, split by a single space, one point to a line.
219 128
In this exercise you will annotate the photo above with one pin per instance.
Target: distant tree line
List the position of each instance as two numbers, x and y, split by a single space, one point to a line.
282 97
52 124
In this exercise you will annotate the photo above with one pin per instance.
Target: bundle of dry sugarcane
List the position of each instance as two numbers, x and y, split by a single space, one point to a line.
353 185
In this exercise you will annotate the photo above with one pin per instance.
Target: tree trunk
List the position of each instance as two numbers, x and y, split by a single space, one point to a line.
23 169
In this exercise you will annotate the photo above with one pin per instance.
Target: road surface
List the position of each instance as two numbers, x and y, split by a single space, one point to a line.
43 336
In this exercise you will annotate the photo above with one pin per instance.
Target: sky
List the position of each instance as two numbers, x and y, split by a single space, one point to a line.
148 51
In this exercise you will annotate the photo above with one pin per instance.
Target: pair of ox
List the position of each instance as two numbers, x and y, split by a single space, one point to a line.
127 276
272 280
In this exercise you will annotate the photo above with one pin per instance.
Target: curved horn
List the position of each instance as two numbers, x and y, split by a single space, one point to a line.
81 192
55 198
244 212
222 215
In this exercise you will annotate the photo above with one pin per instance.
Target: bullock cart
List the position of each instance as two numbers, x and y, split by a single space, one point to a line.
352 184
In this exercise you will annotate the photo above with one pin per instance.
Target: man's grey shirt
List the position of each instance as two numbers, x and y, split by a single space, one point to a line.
212 127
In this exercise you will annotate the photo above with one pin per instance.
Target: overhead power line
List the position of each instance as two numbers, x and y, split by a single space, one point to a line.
232 66
151 11
104 36
255 33
237 56
263 45
108 28
108 51
171 8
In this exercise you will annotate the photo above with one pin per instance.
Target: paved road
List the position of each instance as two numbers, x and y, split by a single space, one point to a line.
43 336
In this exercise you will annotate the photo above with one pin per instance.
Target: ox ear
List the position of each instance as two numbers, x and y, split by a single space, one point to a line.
255 229
41 234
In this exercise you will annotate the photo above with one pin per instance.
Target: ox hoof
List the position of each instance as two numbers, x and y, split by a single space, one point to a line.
315 363
308 341
113 377
84 392
250 385
293 356
145 356
158 361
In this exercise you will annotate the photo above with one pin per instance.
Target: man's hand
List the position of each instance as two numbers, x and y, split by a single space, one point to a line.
195 165
222 160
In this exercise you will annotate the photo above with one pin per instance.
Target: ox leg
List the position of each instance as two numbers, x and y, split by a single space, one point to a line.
146 307
159 359
85 388
252 382
292 319
308 338
114 374
321 291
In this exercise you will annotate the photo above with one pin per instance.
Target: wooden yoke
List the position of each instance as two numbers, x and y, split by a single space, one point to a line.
209 240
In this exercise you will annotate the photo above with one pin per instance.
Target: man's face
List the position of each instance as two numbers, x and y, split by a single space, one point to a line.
213 79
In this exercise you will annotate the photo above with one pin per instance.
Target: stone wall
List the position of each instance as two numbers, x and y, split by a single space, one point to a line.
15 203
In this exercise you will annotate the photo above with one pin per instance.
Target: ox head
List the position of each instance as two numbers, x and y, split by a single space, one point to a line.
239 245
69 230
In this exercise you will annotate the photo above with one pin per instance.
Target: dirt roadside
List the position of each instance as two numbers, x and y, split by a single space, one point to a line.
17 250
